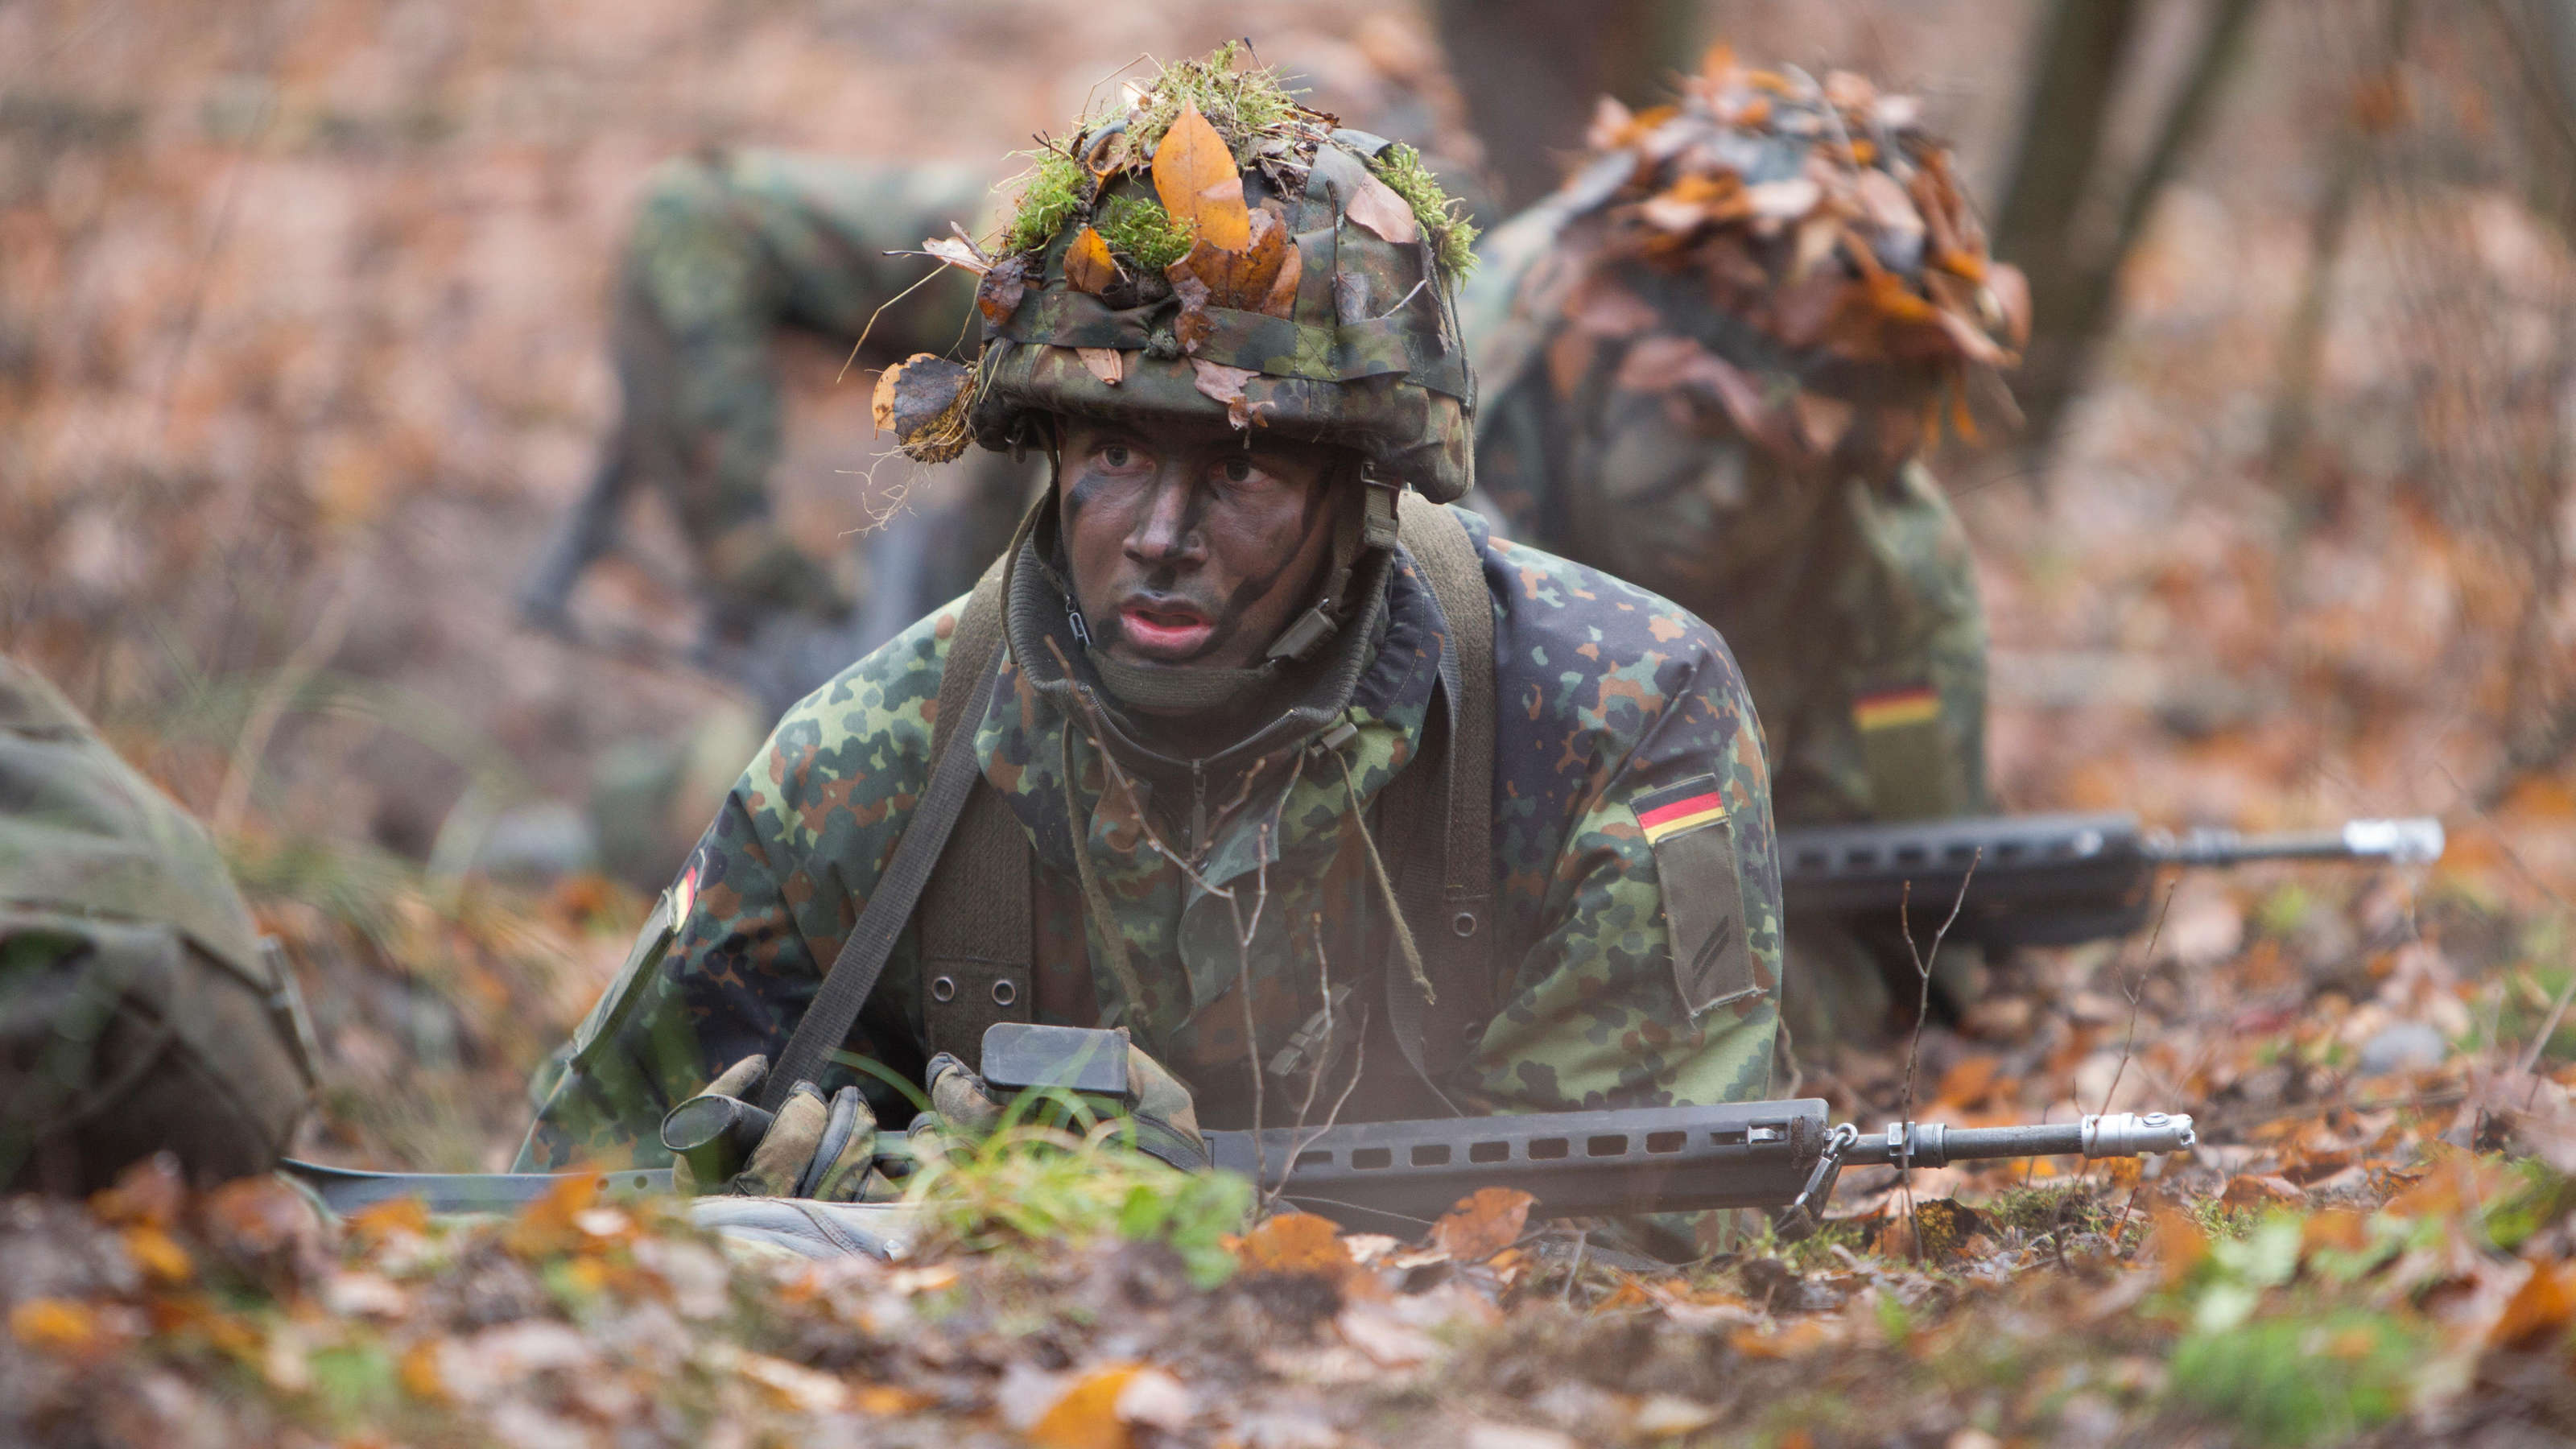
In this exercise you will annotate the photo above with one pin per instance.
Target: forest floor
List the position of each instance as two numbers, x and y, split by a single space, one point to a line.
290 387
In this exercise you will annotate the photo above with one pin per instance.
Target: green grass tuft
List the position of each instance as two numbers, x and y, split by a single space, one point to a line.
1139 227
1038 1188
1050 193
1453 237
2299 1380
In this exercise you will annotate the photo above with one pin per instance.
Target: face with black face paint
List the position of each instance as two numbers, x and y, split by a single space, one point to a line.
1189 547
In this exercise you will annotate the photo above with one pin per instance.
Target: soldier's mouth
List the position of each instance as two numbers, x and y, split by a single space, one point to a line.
1164 630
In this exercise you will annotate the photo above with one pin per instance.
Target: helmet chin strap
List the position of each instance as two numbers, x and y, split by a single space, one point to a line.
1370 525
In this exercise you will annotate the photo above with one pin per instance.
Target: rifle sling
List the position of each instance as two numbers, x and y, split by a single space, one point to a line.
1447 796
964 693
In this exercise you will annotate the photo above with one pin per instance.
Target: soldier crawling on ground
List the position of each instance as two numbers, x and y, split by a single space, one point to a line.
1711 364
1254 748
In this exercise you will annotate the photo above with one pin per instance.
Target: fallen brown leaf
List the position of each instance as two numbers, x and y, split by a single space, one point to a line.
2541 1306
2249 1191
1225 385
1482 1225
1376 206
151 1191
1294 1243
998 295
957 252
1088 267
55 1325
922 401
1194 176
1106 363
1087 1416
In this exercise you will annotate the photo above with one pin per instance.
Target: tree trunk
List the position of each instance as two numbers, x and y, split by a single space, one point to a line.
1530 71
2082 57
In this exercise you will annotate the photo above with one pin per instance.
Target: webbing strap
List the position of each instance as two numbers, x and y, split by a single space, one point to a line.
965 692
1449 562
1446 796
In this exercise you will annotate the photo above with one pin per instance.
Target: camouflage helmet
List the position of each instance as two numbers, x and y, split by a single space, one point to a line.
1788 254
1215 250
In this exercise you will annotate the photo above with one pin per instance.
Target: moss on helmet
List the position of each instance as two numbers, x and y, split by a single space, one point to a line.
1261 122
1453 237
1139 228
1246 106
1051 191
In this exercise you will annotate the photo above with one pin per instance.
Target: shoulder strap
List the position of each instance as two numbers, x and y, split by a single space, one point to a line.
977 952
1447 556
965 692
1449 891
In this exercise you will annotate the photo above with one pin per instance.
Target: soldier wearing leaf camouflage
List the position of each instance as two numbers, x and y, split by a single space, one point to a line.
1711 363
1331 799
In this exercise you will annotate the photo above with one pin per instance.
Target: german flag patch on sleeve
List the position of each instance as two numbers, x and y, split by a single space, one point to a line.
1703 892
1677 808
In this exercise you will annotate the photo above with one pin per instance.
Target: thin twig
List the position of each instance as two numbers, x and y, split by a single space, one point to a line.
1243 986
1922 1010
879 312
2137 994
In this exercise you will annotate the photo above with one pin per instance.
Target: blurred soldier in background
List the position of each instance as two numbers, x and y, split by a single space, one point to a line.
731 249
728 250
138 1012
1711 365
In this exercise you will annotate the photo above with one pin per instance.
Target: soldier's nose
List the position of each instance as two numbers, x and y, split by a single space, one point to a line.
1165 533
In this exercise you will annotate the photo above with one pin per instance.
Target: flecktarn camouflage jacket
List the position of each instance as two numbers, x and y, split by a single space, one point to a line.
1631 805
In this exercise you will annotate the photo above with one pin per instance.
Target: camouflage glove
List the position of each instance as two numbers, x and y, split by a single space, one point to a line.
825 1150
1164 1119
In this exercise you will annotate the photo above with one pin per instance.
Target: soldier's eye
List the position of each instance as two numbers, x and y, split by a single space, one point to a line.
1117 455
1237 470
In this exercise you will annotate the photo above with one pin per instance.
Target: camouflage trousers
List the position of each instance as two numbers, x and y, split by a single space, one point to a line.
727 252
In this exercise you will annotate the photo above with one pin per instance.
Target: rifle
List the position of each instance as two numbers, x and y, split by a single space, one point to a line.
2045 880
1383 1176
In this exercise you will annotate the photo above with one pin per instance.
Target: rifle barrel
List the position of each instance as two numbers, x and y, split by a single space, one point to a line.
2116 1134
2412 841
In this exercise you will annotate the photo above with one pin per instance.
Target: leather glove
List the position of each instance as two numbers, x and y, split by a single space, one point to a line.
1164 1119
813 1148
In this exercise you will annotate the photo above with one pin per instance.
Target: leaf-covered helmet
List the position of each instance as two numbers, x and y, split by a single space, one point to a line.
1794 256
1216 250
